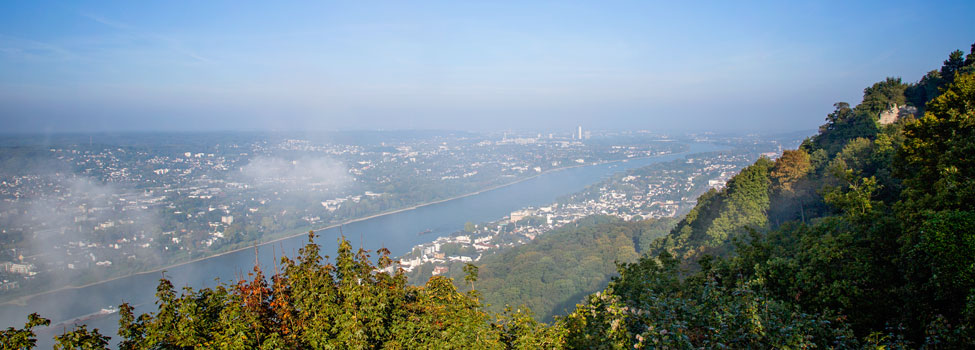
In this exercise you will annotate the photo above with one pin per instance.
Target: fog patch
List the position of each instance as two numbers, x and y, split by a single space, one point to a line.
86 225
317 174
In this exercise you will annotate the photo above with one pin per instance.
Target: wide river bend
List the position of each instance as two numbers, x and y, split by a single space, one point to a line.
396 231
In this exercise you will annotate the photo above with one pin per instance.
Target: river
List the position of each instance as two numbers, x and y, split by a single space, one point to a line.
397 231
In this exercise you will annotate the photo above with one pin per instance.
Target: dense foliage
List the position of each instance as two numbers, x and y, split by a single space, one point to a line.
561 267
720 215
315 303
864 237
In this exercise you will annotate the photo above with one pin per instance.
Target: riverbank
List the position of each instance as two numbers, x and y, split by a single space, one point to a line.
22 300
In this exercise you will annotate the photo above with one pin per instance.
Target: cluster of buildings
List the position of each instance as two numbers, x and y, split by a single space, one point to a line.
660 190
107 205
10 268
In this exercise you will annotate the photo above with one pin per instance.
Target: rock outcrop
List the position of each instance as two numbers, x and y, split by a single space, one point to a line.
894 113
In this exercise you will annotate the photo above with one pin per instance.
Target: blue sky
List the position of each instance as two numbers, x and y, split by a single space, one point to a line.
668 66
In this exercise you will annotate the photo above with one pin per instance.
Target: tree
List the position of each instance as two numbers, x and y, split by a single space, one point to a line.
942 259
883 95
24 338
519 330
791 167
936 162
841 113
925 90
650 306
470 274
346 302
955 62
81 339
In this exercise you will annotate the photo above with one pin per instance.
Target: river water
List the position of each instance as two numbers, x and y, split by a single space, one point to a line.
398 232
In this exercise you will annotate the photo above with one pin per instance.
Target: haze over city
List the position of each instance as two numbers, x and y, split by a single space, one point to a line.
224 65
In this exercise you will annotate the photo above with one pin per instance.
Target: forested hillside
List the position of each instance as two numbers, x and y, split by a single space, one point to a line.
864 237
557 270
718 216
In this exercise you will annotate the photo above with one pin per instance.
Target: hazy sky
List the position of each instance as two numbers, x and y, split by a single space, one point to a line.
234 65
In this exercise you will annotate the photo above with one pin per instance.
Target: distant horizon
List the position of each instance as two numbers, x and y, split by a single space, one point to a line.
676 67
423 130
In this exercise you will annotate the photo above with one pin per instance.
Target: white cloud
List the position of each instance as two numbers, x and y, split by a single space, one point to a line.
304 173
